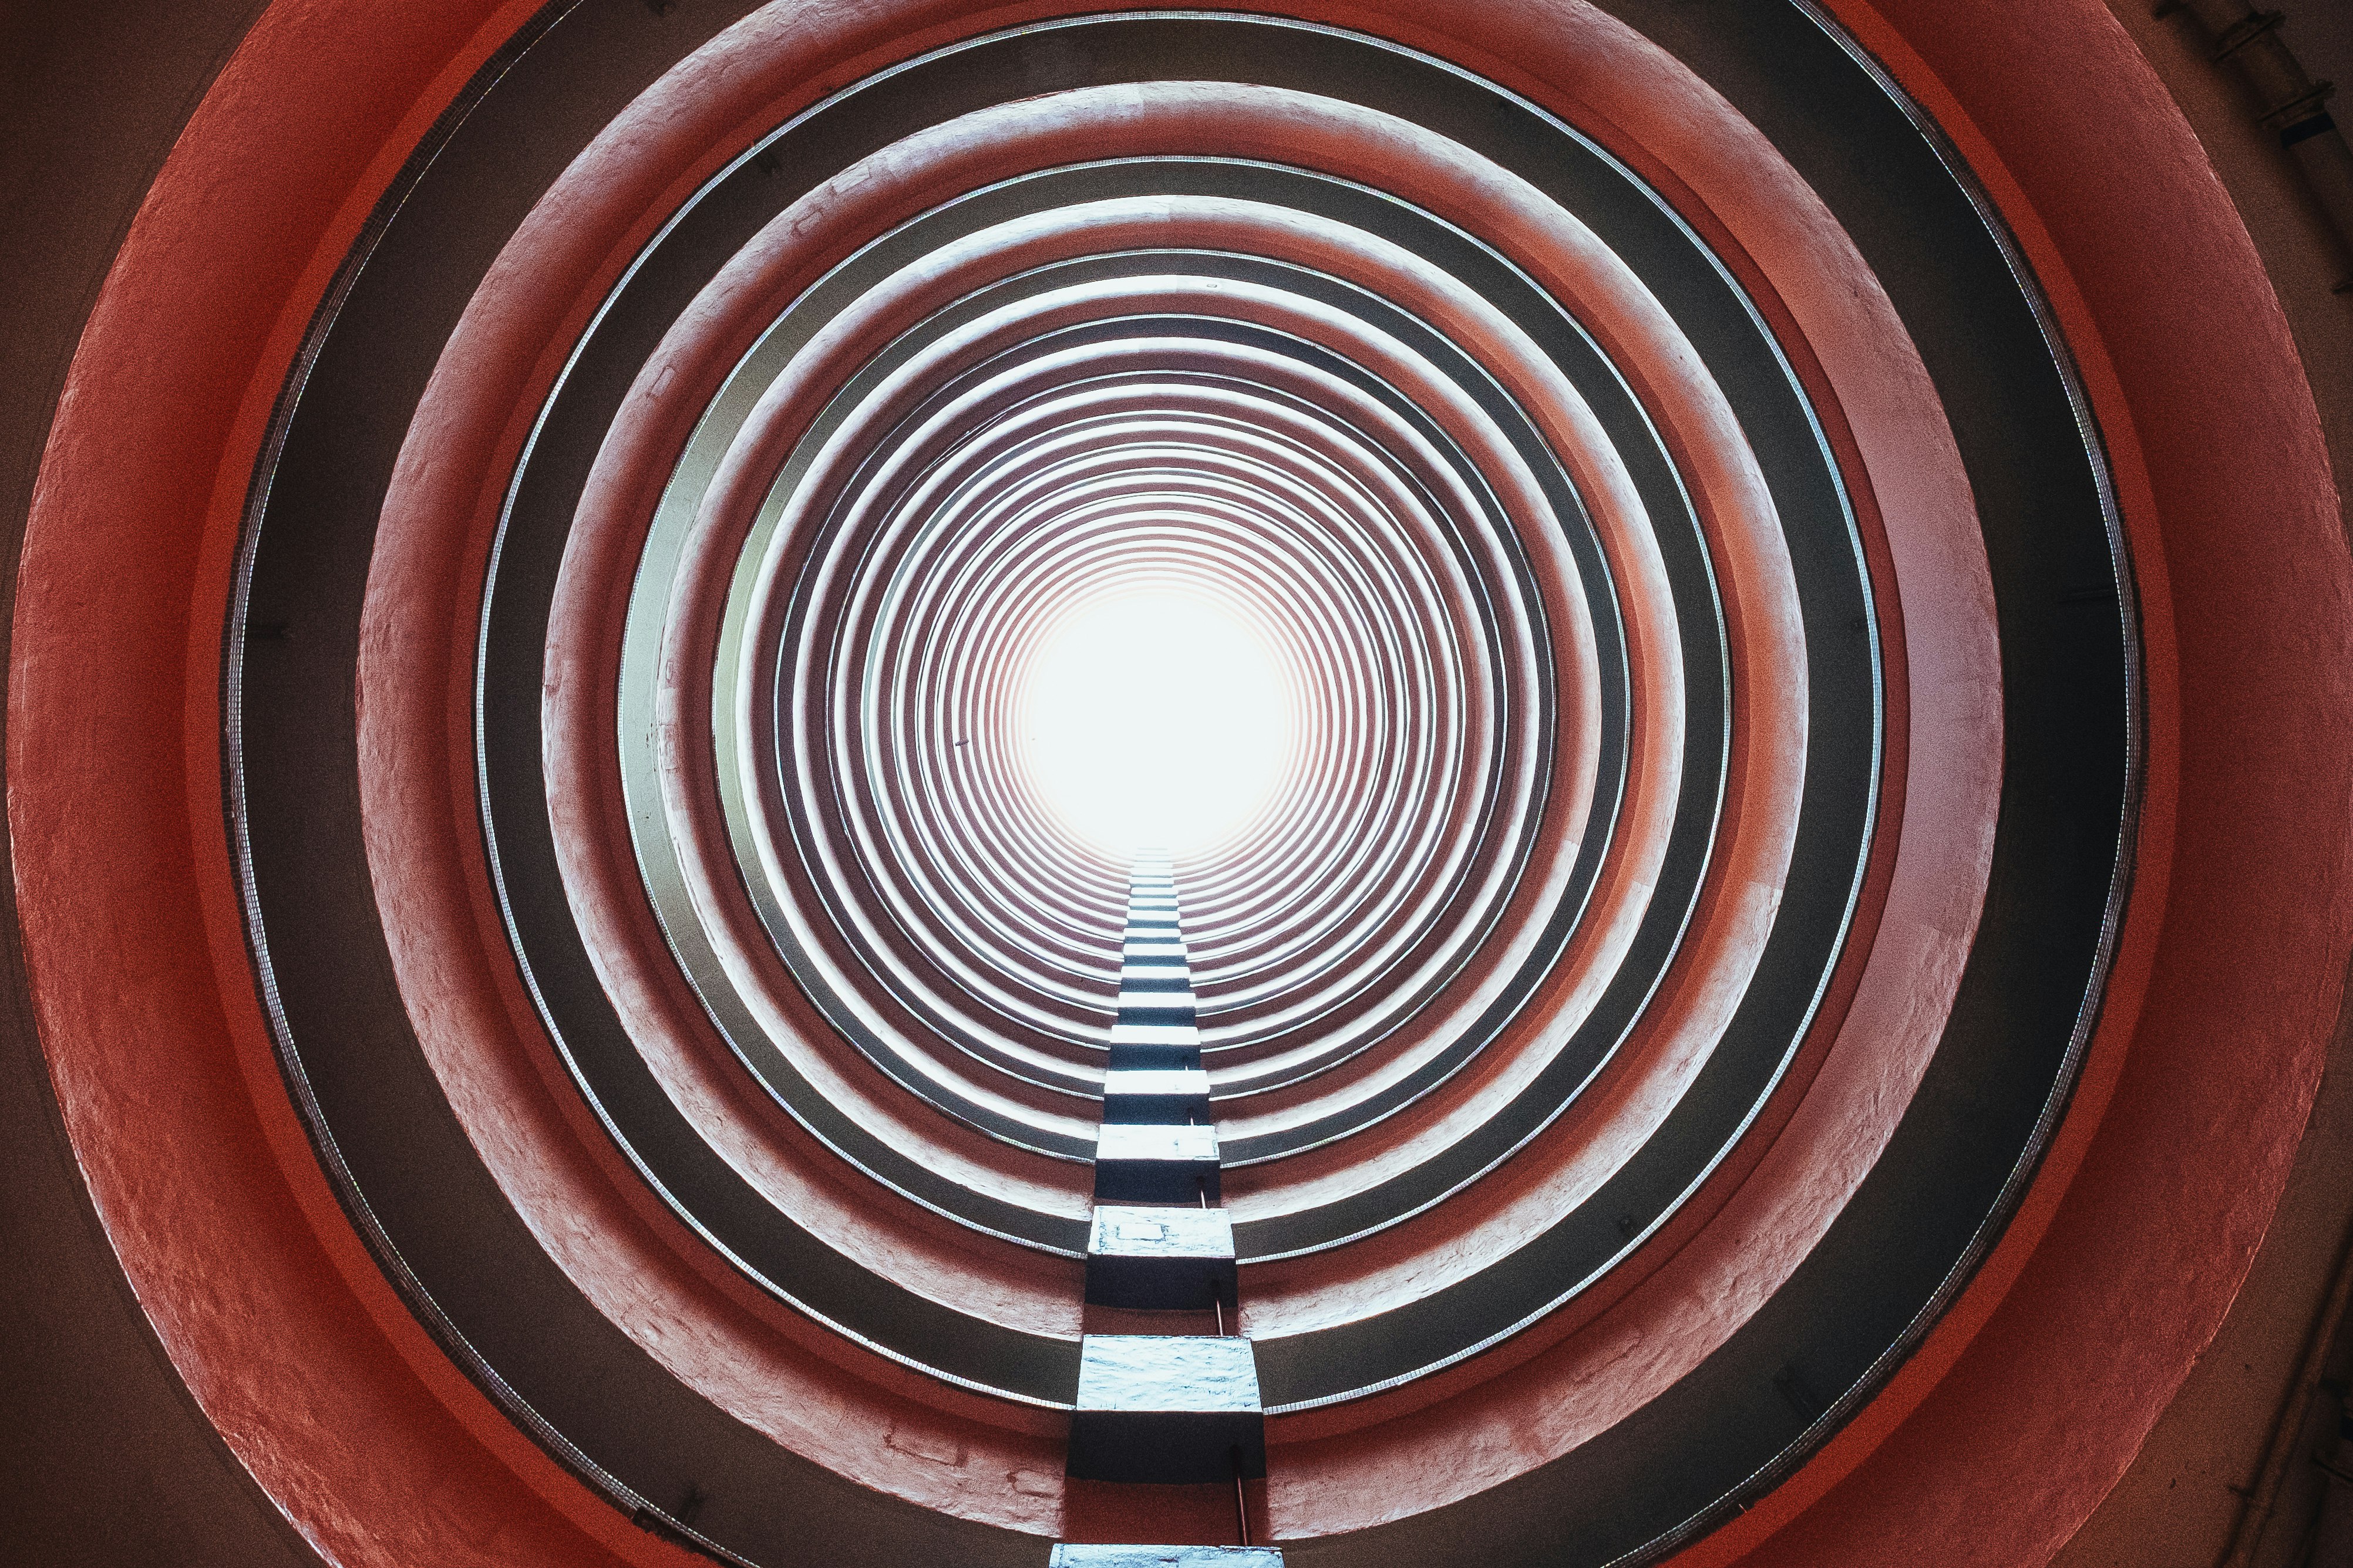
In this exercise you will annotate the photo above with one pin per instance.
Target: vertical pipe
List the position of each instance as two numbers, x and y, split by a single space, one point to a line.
2259 1507
2293 106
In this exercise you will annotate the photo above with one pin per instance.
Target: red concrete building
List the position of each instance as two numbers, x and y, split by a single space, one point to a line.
1780 999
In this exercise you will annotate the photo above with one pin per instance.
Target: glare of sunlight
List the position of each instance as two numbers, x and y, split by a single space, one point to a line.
1155 717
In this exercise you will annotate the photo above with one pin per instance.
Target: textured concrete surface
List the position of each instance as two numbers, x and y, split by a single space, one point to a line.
1166 1408
1162 1258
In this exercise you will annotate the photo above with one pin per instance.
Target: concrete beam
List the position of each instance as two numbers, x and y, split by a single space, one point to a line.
1164 1095
1166 1408
1164 1260
1155 1163
1068 1556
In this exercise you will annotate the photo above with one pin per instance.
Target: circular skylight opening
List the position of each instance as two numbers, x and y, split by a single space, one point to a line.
1155 717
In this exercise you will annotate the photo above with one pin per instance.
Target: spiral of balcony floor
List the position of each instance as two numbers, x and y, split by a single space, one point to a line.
1706 790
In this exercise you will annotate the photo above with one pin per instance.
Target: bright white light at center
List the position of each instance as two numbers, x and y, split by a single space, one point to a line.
1155 718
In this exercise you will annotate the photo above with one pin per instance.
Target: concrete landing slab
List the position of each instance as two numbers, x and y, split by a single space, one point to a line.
1161 1007
1166 1408
1169 1095
1068 1556
1160 1259
1153 1058
1155 1163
